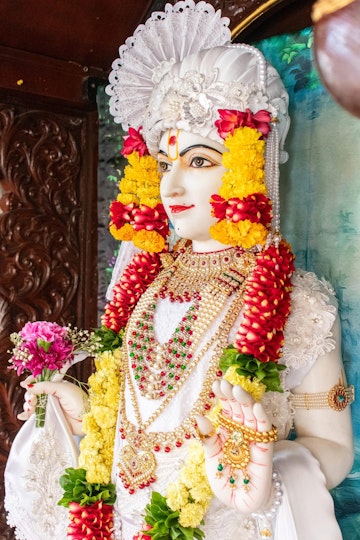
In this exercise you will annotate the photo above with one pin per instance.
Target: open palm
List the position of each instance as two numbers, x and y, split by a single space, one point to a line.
240 407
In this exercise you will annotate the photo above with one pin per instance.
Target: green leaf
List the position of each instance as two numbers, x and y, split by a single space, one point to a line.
267 373
109 339
77 489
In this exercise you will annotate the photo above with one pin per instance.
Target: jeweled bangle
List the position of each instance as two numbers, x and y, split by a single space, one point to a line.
338 398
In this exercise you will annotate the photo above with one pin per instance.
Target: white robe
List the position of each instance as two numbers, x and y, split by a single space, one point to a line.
306 511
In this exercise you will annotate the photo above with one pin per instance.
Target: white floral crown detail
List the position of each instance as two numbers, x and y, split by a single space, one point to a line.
166 37
190 100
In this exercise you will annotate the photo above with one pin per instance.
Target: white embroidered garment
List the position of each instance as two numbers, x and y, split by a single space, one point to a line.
311 299
37 459
39 456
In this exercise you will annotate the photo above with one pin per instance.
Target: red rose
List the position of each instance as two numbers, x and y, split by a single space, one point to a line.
232 119
134 142
151 219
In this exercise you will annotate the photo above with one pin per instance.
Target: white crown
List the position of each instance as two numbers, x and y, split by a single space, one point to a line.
166 37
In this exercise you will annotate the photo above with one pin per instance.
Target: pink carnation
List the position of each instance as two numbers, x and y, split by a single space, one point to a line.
42 346
47 331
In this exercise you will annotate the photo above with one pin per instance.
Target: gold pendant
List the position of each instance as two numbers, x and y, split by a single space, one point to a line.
236 451
136 468
237 456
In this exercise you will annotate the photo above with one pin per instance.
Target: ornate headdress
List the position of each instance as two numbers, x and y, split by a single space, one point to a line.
179 69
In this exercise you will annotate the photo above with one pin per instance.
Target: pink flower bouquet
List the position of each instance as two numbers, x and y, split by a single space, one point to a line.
44 348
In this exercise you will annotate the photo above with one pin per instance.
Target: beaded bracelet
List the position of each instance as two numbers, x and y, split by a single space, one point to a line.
338 398
265 518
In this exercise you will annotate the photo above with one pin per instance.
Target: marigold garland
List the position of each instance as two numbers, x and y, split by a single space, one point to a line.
137 214
191 493
96 448
244 214
242 208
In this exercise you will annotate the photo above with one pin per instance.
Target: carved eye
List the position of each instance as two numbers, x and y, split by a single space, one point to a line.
198 162
163 166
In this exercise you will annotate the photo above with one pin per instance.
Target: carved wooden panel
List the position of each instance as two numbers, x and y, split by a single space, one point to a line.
47 240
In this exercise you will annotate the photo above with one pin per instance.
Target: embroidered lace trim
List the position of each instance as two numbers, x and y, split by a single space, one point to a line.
308 336
165 38
42 492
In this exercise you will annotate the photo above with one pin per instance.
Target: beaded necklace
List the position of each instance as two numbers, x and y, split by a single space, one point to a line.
137 464
158 367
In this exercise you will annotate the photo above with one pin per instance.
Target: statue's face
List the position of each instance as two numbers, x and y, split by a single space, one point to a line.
191 171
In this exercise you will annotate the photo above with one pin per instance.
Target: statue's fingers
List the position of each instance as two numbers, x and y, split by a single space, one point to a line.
243 409
209 438
262 419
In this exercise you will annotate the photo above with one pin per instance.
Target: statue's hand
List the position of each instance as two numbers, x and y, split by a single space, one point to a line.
73 400
240 408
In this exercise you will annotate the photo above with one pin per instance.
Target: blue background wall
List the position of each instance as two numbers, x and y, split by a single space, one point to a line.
320 194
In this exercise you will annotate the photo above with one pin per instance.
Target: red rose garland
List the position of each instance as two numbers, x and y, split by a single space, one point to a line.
138 275
90 522
266 297
267 305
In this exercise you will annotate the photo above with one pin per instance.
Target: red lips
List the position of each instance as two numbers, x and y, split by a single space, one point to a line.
178 208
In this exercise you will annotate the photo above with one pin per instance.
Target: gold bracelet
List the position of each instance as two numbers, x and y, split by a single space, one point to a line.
337 398
248 434
207 436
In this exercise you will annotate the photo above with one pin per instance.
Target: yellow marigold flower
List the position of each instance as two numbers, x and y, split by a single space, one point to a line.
191 515
244 233
104 416
128 186
98 475
150 241
253 387
150 202
244 183
201 493
126 232
92 441
225 232
176 496
127 198
89 423
195 452
94 383
149 192
245 137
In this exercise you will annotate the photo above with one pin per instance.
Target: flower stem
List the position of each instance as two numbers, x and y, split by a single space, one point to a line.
40 410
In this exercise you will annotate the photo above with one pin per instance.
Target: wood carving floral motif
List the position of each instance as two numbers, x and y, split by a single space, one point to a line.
41 235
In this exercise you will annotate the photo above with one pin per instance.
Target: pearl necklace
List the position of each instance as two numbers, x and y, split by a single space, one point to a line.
137 463
158 367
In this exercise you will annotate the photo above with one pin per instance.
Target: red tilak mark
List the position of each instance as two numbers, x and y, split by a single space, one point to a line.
172 140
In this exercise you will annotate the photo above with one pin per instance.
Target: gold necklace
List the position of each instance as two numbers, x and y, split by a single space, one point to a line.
158 367
137 464
187 275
